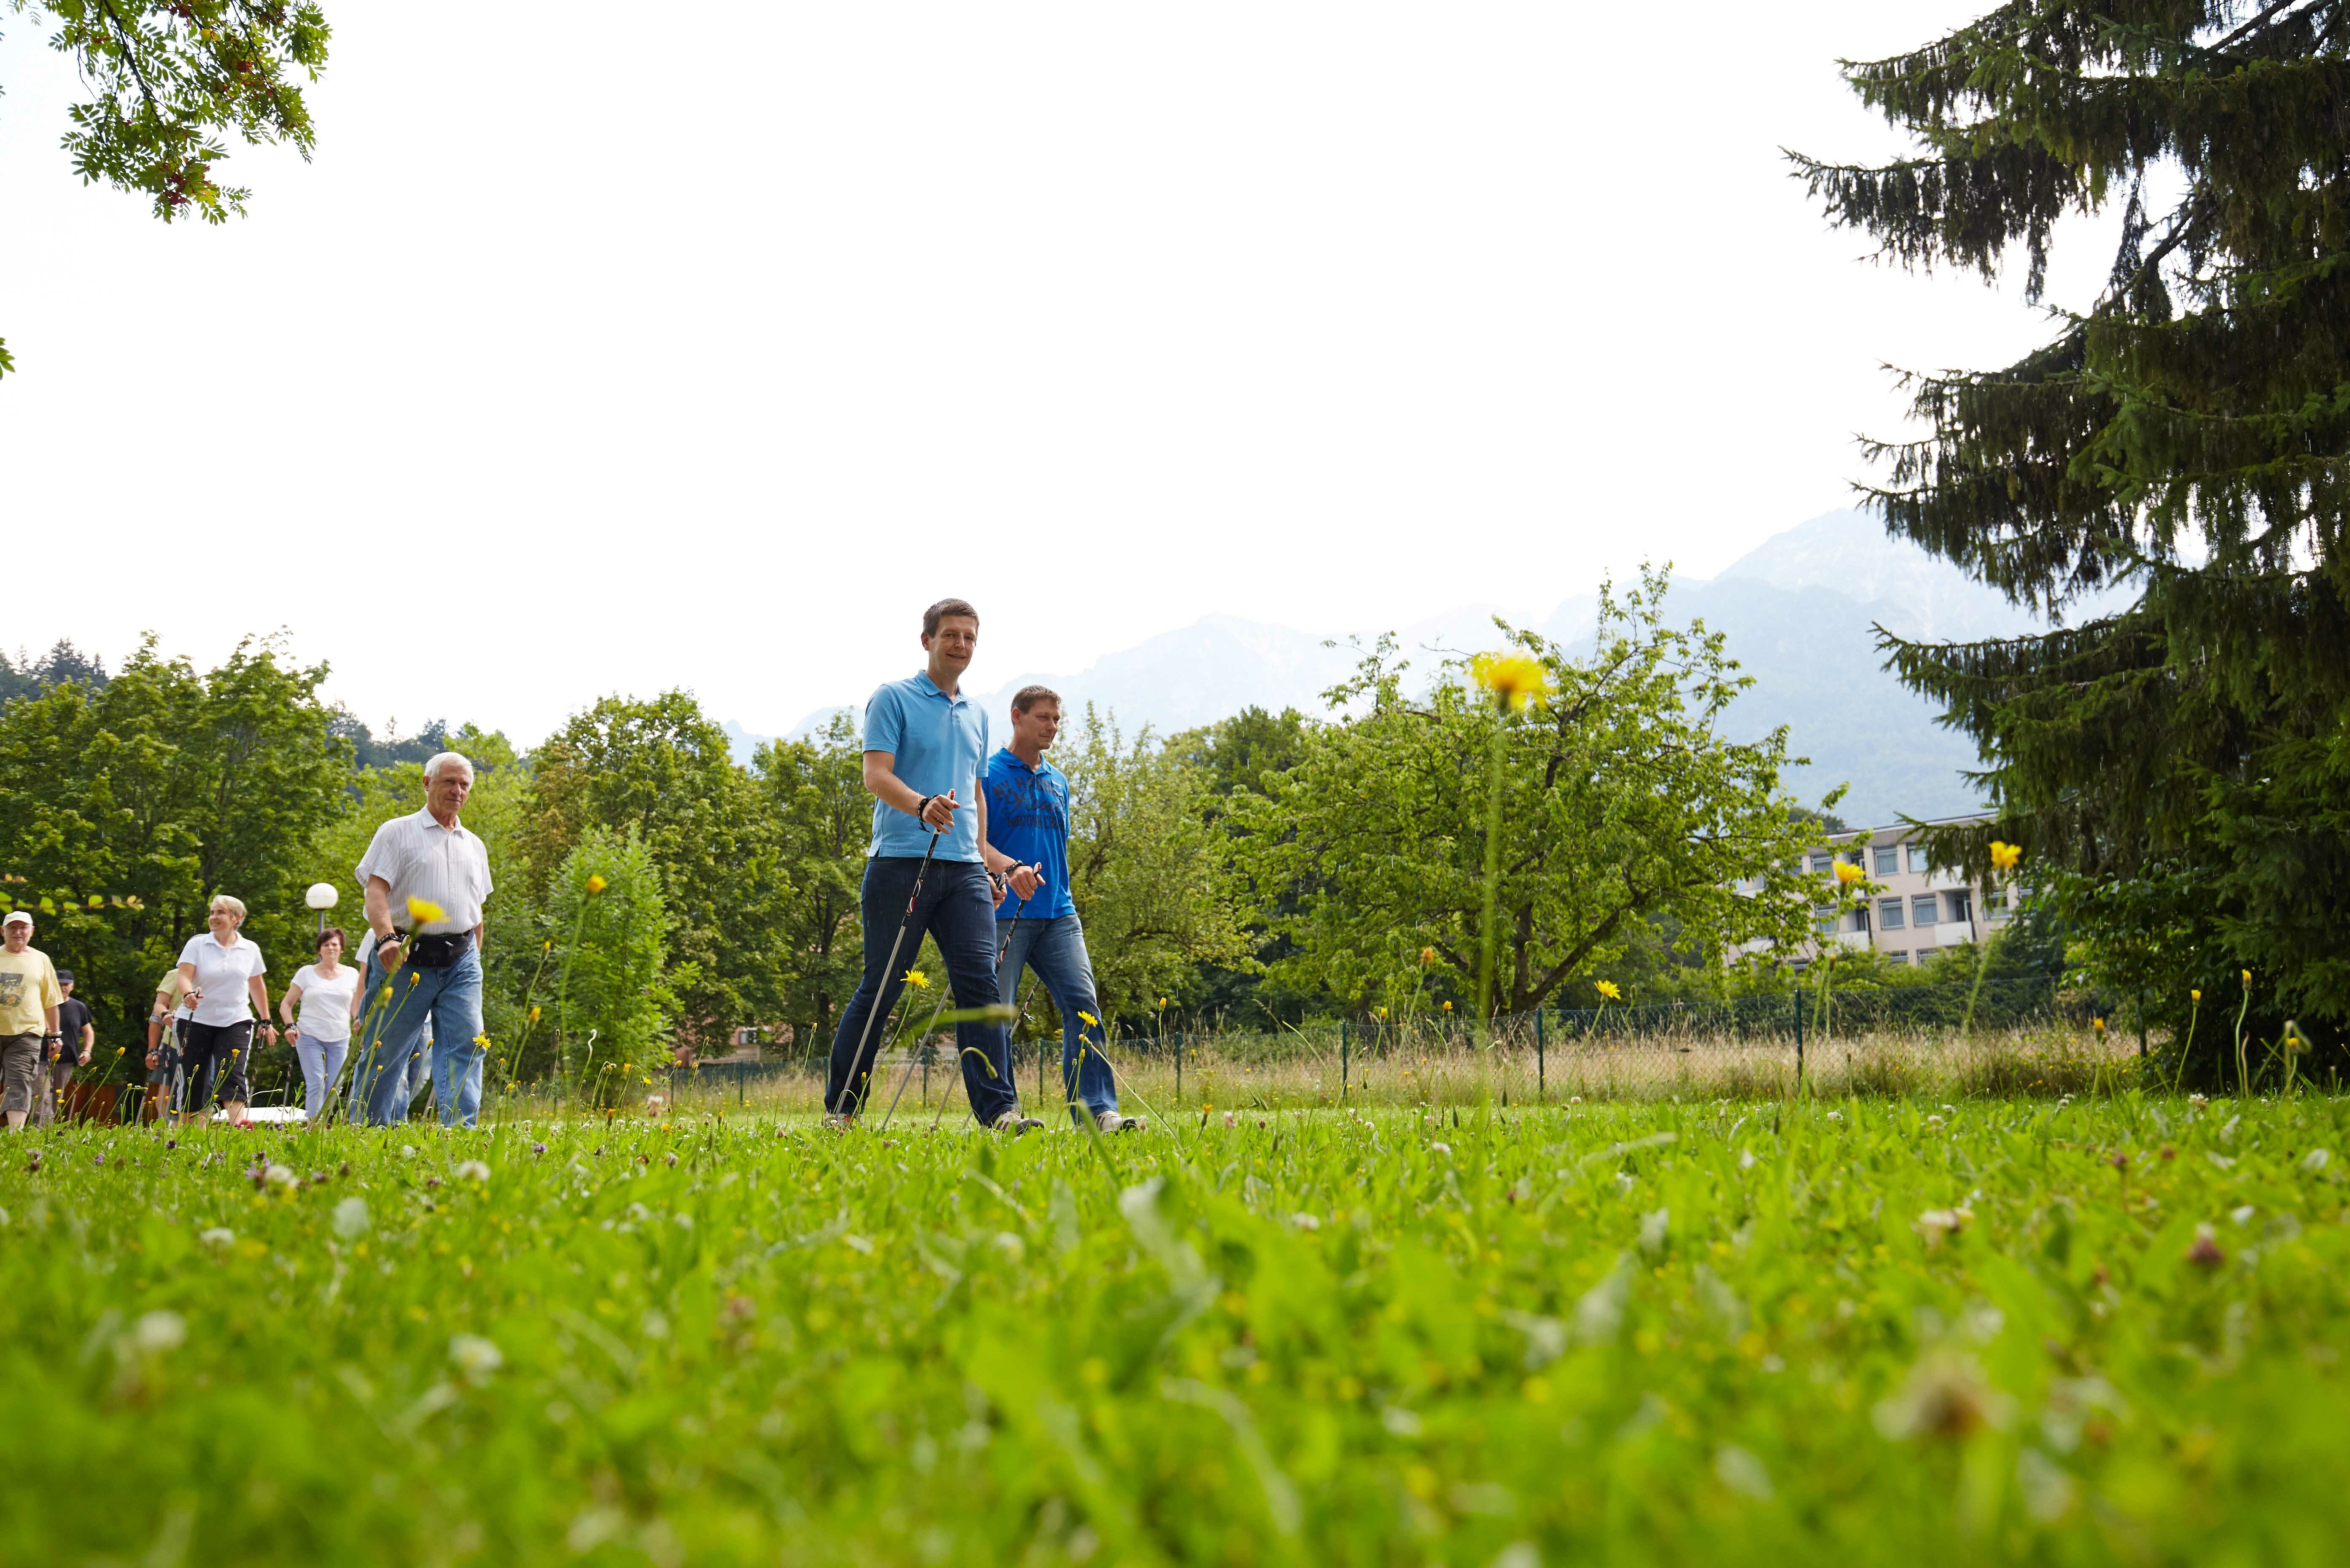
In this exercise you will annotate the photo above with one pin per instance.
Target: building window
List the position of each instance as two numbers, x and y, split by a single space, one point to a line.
1924 909
1800 965
1823 863
1825 921
1897 957
1995 905
1962 906
1888 861
1917 863
1860 919
1888 913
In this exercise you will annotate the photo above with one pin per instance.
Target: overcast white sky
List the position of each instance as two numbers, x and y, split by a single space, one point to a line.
605 348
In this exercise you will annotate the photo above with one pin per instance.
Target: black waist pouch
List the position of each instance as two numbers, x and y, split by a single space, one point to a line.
439 949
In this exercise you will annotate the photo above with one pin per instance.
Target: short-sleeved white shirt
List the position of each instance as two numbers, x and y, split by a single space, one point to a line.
221 974
418 858
326 1004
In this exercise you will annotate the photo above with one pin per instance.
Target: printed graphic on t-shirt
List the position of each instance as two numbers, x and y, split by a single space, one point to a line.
12 987
1035 800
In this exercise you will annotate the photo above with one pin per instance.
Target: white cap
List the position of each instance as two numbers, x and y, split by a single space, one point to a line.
15 916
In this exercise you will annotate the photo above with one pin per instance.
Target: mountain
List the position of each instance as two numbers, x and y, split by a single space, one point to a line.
1798 611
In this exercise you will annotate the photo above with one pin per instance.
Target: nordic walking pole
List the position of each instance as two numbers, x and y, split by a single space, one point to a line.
936 1012
857 1065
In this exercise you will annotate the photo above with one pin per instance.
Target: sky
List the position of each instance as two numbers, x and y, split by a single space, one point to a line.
604 349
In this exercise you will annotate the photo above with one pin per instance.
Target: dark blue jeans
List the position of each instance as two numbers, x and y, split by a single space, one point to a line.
1055 950
957 908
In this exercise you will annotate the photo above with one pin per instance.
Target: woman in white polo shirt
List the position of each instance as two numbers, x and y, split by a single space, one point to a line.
326 994
220 974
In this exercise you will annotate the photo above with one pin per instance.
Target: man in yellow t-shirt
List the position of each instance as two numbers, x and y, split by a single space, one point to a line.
28 1016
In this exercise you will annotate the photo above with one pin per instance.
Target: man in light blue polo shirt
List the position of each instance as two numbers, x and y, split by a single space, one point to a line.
925 749
1037 926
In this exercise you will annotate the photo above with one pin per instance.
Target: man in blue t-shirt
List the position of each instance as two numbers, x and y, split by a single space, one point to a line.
925 746
1037 926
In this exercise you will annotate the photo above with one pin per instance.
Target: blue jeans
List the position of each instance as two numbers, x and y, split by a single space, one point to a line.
448 999
322 1063
957 908
1055 950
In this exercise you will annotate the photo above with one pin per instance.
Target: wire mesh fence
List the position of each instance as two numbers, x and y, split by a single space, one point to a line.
2008 1037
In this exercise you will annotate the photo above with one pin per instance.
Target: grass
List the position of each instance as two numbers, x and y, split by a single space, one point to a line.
1875 1330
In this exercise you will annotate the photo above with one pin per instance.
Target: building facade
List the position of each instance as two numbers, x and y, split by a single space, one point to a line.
1921 910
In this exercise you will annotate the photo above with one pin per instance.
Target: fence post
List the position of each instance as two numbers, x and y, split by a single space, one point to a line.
1342 1058
1541 1082
1799 1038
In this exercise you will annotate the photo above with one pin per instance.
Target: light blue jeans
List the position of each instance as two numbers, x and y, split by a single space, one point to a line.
321 1061
448 1001
1055 950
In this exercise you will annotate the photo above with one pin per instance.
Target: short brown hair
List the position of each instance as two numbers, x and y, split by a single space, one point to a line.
943 608
1027 697
337 933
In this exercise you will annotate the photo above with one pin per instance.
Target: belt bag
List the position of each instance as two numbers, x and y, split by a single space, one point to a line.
440 950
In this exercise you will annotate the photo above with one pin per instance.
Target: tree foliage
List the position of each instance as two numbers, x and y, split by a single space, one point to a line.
1621 803
815 788
660 769
1144 867
2187 435
152 794
169 80
611 1000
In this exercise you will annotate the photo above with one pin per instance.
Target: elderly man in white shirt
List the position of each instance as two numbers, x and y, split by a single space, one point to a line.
426 878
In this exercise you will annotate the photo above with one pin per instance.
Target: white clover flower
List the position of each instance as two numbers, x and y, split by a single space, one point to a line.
278 1176
474 1171
476 1357
159 1332
218 1236
351 1218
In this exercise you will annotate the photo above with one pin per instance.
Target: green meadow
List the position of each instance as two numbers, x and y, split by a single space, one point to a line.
1869 1331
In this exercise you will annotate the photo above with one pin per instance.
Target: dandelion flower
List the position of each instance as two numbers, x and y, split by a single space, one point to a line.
424 912
2194 996
1610 990
386 995
916 979
1088 1017
534 1014
1515 679
1448 1006
1427 955
1846 873
2248 976
1162 1002
1383 1012
2004 856
413 978
597 884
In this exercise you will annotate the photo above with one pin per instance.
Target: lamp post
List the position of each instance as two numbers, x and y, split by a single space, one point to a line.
322 897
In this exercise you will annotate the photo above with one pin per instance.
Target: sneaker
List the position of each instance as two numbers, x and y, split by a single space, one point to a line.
1111 1121
1016 1123
839 1123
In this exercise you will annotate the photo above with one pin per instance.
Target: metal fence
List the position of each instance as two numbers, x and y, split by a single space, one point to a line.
2006 1037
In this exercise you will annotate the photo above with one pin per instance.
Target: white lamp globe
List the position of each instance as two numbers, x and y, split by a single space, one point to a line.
322 896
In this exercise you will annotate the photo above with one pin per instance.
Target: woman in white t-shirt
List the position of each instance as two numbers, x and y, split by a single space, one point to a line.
220 976
326 994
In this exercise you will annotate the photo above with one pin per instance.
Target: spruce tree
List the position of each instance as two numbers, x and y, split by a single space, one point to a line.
2182 438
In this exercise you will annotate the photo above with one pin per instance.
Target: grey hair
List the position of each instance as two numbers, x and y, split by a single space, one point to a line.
223 901
443 759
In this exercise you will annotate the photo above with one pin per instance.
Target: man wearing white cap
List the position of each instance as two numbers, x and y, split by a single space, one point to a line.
28 1016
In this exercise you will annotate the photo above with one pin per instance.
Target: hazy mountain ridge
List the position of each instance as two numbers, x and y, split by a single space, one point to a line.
1798 611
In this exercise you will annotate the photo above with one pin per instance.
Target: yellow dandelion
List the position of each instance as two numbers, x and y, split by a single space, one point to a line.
424 912
386 995
1515 679
1162 1002
2004 856
1846 873
597 884
533 1015
1383 1012
1448 1007
2248 976
2194 996
917 979
413 977
1608 989
1088 1017
2098 1023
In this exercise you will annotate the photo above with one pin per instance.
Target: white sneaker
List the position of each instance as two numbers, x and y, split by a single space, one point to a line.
1016 1123
1111 1121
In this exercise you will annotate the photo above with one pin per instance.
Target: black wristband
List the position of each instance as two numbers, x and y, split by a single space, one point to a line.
922 805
